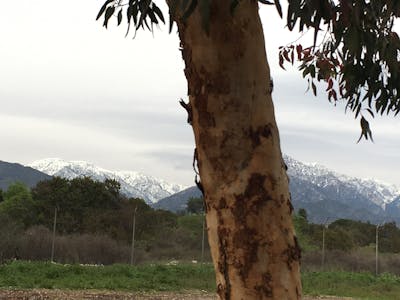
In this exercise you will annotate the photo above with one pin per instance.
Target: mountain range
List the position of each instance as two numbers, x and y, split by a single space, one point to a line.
325 194
133 184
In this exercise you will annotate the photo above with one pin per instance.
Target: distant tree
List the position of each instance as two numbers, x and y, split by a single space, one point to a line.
389 238
362 234
155 223
195 205
303 213
339 239
113 187
78 201
117 223
49 194
1 195
18 204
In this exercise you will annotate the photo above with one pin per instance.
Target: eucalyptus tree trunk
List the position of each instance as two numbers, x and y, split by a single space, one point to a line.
248 209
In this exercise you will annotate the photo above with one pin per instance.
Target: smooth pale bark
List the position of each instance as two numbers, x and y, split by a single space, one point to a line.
248 209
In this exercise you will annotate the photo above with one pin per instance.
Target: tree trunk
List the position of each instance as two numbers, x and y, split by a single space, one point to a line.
248 209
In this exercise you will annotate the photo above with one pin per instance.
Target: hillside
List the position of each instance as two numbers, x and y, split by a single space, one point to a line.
12 172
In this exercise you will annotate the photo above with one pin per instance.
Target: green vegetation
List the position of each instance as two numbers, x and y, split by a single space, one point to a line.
157 277
180 277
94 226
18 203
195 205
346 235
357 285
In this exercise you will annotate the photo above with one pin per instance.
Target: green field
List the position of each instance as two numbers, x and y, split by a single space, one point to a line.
357 285
181 277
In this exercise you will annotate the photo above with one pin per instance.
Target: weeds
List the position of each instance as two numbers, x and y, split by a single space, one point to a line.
181 277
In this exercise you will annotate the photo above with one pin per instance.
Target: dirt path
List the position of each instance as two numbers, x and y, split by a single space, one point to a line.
41 294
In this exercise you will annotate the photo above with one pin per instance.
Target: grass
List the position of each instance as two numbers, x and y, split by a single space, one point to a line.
157 277
181 277
358 285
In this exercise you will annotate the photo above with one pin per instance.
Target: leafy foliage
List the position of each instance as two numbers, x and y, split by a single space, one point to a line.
75 200
18 204
145 13
358 56
140 13
345 235
195 205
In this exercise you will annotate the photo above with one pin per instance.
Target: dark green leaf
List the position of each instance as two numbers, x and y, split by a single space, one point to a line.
358 109
312 71
119 17
158 12
152 16
143 7
109 12
314 88
371 112
266 2
172 12
365 130
278 7
103 8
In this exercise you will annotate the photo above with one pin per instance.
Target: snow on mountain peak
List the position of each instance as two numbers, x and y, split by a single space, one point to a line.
133 184
377 191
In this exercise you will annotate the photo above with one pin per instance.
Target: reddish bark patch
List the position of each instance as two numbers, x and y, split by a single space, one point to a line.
246 240
266 287
255 194
292 253
260 132
206 119
223 289
222 204
254 197
255 186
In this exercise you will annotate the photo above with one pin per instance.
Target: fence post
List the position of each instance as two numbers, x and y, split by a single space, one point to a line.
324 227
376 249
54 234
133 235
203 238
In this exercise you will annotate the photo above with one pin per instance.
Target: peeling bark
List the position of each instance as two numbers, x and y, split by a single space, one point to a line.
247 200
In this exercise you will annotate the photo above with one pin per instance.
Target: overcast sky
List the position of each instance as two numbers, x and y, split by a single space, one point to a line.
71 89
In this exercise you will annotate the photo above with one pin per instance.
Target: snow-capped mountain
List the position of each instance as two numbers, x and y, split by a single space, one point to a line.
325 194
133 184
378 192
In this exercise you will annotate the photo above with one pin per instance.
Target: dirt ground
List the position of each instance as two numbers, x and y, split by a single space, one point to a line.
41 294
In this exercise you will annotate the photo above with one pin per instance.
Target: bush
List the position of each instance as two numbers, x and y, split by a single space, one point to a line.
9 229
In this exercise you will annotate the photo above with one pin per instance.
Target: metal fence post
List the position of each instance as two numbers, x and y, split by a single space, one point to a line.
54 234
